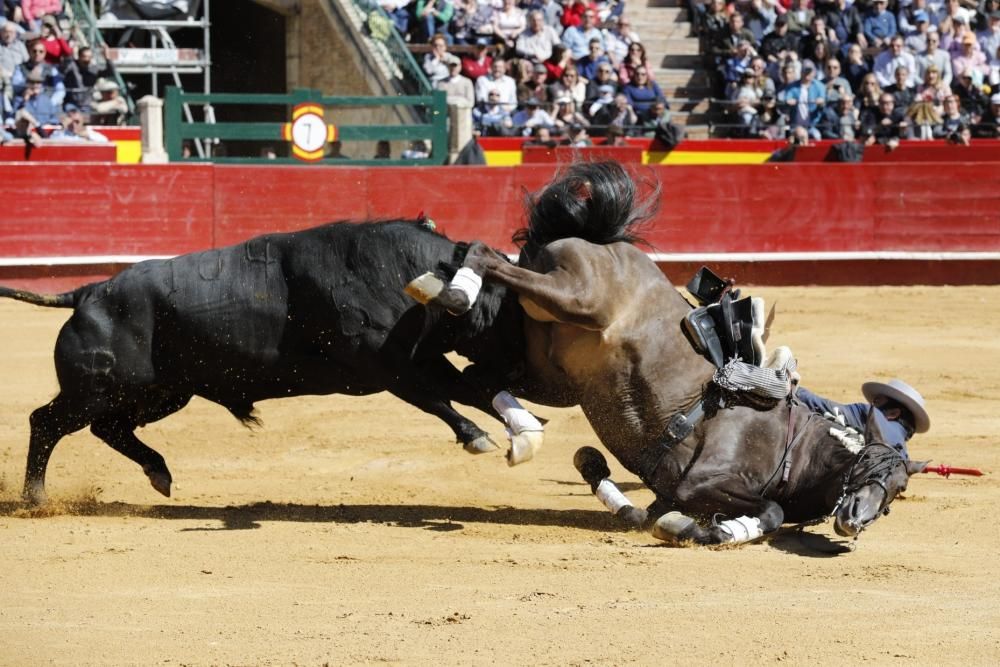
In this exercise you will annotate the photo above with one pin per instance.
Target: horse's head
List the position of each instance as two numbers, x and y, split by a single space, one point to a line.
873 481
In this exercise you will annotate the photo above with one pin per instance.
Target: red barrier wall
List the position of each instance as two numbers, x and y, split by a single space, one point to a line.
58 210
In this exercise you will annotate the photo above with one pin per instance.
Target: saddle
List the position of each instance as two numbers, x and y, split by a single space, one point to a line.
723 326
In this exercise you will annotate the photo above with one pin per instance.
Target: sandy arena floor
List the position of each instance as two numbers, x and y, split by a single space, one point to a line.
353 531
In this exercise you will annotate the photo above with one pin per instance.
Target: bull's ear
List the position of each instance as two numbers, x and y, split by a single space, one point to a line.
872 431
913 467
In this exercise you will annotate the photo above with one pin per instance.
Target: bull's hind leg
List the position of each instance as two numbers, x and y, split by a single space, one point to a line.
473 438
49 423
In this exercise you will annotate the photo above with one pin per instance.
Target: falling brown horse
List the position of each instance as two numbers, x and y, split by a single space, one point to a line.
604 332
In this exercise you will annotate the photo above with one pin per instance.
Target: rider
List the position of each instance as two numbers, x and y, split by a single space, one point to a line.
899 409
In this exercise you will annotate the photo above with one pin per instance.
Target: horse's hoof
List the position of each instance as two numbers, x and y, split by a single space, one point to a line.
524 446
481 445
161 481
634 516
674 527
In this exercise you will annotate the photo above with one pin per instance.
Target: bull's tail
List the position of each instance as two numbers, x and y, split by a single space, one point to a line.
599 202
64 300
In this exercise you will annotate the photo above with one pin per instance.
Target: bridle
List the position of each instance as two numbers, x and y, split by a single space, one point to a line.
879 461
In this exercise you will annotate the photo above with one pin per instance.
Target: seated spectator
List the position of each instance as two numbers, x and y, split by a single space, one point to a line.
553 11
383 150
836 85
435 65
988 126
541 136
804 100
908 18
989 39
886 124
461 29
570 84
635 58
566 114
74 127
479 64
925 118
557 63
399 13
108 108
458 88
615 136
936 56
840 120
658 114
868 95
744 119
879 25
537 41
816 34
509 23
82 75
758 18
51 77
605 77
902 92
587 65
933 89
577 38
799 16
971 60
578 137
619 113
531 115
855 67
971 97
642 92
605 97
762 82
954 11
994 64
892 58
619 37
33 11
337 151
713 26
479 22
434 19
727 47
953 118
916 40
535 86
56 46
12 54
418 150
818 57
777 43
492 118
498 80
951 39
772 123
844 22
573 11
34 110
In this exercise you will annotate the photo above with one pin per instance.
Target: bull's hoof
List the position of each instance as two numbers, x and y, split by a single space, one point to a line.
524 446
161 480
481 445
674 527
34 494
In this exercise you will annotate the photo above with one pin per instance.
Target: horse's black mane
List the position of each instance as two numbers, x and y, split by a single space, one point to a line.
598 202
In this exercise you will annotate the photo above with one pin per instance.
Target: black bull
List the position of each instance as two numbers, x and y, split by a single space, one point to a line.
320 311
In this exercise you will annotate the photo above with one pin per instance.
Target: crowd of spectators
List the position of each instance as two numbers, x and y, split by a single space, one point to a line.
559 72
50 86
863 70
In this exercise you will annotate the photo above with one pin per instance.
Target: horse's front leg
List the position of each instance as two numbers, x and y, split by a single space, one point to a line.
746 520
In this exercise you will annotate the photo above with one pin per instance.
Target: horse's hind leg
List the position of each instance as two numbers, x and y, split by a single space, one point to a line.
49 423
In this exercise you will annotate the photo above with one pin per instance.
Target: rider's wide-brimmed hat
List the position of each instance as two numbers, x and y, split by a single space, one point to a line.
904 394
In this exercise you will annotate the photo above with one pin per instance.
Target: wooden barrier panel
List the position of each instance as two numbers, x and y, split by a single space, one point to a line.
817 215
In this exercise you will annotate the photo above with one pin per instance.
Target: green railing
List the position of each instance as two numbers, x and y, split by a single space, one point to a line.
177 130
379 27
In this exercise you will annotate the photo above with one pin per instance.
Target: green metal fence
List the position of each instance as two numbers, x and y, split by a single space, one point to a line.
380 29
177 130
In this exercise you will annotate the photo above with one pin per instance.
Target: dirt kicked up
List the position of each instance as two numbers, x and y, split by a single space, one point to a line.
352 531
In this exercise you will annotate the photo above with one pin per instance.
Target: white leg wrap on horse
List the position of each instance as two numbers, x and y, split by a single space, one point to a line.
466 280
523 430
610 496
742 529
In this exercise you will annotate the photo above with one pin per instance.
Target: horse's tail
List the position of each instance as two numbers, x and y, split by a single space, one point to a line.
64 300
599 202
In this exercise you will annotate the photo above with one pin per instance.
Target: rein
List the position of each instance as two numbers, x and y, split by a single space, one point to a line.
877 473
